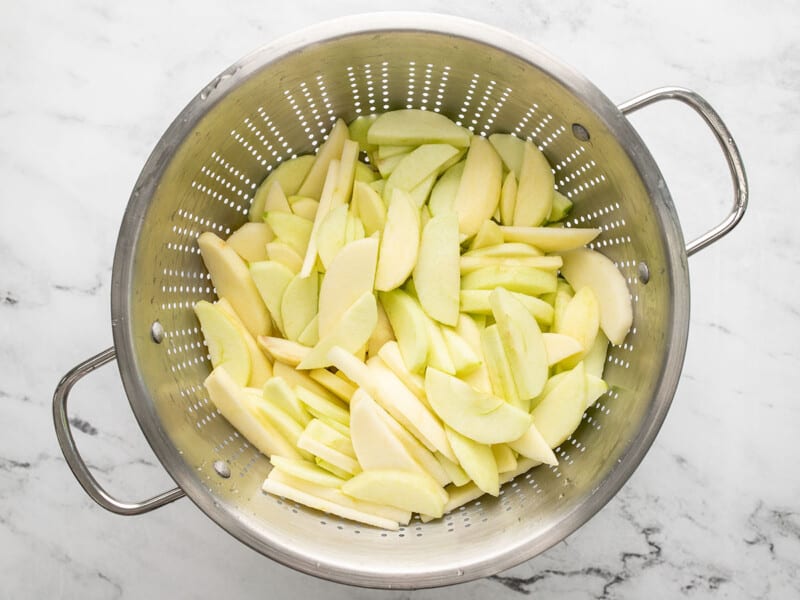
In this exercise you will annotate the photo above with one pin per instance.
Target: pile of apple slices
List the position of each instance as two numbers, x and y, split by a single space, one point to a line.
404 335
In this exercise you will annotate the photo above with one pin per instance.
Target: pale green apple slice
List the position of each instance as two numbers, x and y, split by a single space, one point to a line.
438 352
323 441
535 188
498 367
225 394
523 342
278 392
479 416
595 359
260 367
365 173
358 128
284 254
419 165
533 445
477 460
406 490
436 274
561 207
322 407
588 268
390 392
488 235
325 207
464 359
382 334
295 379
413 127
307 471
277 201
420 193
399 246
560 346
508 199
504 457
454 471
580 321
370 207
505 250
387 151
378 185
333 469
559 413
330 150
310 335
270 413
231 278
468 264
510 148
392 357
283 350
351 332
443 194
386 166
354 229
595 388
410 328
349 275
289 174
470 331
342 389
343 189
525 280
476 302
330 236
561 300
250 241
550 239
226 345
299 304
305 208
479 189
271 279
290 229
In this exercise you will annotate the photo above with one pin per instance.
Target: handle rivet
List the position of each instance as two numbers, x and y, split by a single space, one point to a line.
644 272
157 332
222 469
580 132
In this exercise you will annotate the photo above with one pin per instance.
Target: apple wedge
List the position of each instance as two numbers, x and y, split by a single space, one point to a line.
550 239
408 322
278 392
283 350
510 148
405 490
560 209
504 250
482 417
588 268
417 166
289 174
595 360
330 236
504 457
305 208
307 471
331 149
277 200
477 460
323 408
468 264
443 194
525 280
465 360
250 241
508 199
231 278
299 304
399 247
533 445
535 188
325 207
559 413
343 188
498 367
358 128
392 357
436 274
369 207
290 229
595 388
260 367
284 254
413 127
271 414
226 346
340 388
580 321
271 278
479 188
560 347
488 235
323 441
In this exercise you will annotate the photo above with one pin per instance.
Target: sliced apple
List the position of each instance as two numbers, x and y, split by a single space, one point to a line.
468 264
535 188
290 229
370 207
580 321
498 367
226 346
436 275
454 471
284 254
595 388
295 379
561 300
477 460
358 128
322 440
470 331
330 150
343 189
323 408
488 235
283 350
342 389
353 229
299 304
277 201
305 208
278 392
386 166
231 278
271 278
510 148
260 367
595 359
365 173
479 416
410 328
504 250
413 127
479 188
476 302
465 360
266 411
250 241
405 490
533 445
310 334
559 413
307 471
561 207
550 239
325 206
443 194
289 174
508 199
588 268
392 357
420 193
504 457
330 236
399 245
525 280
438 352
560 346
382 334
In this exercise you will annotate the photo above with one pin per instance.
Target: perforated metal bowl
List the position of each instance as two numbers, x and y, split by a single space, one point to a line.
279 102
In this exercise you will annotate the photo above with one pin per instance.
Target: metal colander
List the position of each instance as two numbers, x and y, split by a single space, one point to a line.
280 102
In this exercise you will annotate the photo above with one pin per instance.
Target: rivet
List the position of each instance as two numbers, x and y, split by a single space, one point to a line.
157 332
222 469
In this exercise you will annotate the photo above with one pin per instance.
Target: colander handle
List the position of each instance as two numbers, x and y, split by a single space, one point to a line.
73 457
729 149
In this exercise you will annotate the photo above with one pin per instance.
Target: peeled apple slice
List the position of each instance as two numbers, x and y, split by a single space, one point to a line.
308 471
271 279
226 346
550 239
289 174
559 412
260 367
436 274
535 188
399 244
479 189
250 241
477 460
413 127
405 490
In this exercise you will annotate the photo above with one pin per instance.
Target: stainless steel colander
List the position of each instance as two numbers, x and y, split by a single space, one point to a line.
279 102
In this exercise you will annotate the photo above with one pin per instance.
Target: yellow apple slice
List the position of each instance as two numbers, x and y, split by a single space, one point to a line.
231 278
284 254
250 241
479 189
469 330
277 200
353 229
322 407
477 460
443 194
504 457
438 352
330 237
580 321
392 357
305 208
488 235
535 188
308 471
588 268
299 304
271 279
525 280
595 387
351 332
382 334
550 239
561 207
343 189
559 413
436 274
476 302
532 445
290 229
508 199
330 150
289 174
386 166
405 490
413 127
365 173
358 128
561 299
349 275
399 245
523 342
505 250
269 413
498 367
226 345
560 346
468 264
278 392
510 148
595 360
260 367
325 207
464 359
424 162
295 379
310 335
369 207
479 416
421 192
322 440
225 394
283 350
387 151
342 389
410 327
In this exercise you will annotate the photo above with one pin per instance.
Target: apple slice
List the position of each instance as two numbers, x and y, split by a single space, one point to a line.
561 300
479 416
323 408
468 264
358 128
420 193
250 241
231 278
405 490
322 440
351 332
399 245
290 229
595 387
580 321
498 367
535 188
504 250
289 174
595 359
330 150
225 394
533 445
350 275
325 206
387 150
550 239
283 350
454 472
561 207
284 254
277 200
479 189
417 166
409 324
504 457
353 229
588 268
278 392
413 127
305 208
560 347
523 342
510 148
463 357
295 379
470 331
226 346
508 199
330 237
477 460
342 389
438 352
365 173
260 367
370 207
488 235
271 279
271 414
386 166
436 274
476 302
310 334
559 413
343 189
382 334
299 304
307 471
392 357
443 194
525 280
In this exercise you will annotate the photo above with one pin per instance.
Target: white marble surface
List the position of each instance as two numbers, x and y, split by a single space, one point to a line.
88 87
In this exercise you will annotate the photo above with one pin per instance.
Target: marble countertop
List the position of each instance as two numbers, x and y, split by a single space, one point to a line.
87 89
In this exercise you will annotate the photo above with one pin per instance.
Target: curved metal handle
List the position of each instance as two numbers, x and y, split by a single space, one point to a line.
729 149
73 457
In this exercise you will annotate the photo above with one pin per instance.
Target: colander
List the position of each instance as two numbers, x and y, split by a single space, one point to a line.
280 101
